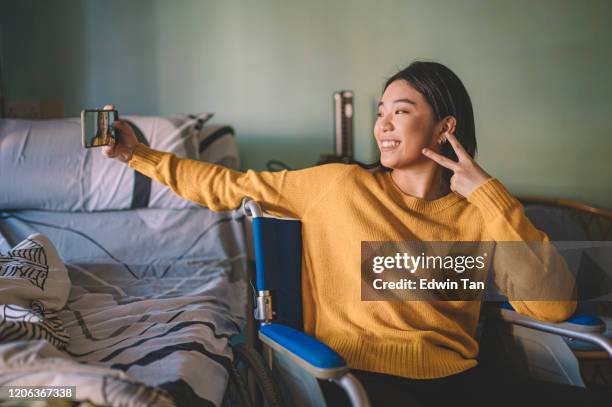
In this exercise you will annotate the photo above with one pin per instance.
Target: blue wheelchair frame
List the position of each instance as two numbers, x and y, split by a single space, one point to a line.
295 358
298 360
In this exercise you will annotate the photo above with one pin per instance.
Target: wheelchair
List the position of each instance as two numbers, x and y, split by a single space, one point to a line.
577 352
277 364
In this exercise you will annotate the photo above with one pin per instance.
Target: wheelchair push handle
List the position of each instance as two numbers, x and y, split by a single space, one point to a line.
251 208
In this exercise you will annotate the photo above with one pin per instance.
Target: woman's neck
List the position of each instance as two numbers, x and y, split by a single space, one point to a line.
426 183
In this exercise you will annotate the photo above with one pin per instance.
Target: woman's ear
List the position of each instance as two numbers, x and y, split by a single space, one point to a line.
448 125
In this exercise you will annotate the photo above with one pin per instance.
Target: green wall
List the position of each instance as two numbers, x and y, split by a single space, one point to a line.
538 72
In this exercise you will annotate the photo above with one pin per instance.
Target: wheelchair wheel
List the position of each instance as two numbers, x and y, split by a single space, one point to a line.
236 394
255 378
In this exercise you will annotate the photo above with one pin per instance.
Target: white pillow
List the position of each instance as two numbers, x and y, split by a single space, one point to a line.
44 166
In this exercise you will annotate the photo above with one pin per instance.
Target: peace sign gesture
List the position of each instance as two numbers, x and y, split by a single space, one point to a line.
468 175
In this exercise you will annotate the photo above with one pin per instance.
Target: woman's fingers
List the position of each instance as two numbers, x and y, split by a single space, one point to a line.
126 134
120 130
440 159
459 150
119 124
109 151
109 107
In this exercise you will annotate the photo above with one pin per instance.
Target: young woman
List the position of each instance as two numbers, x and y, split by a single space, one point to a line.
102 137
429 188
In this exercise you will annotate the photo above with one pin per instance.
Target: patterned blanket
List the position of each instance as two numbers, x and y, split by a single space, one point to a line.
124 331
34 285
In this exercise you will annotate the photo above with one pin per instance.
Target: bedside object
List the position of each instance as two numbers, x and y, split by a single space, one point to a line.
343 129
33 109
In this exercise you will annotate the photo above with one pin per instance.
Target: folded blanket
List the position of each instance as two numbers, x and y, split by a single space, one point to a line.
34 285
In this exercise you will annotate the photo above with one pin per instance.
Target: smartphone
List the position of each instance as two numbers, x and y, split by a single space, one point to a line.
97 128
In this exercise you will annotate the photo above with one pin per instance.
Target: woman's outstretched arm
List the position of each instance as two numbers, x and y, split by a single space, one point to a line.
283 193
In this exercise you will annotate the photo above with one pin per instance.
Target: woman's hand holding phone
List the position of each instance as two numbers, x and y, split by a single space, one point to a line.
123 149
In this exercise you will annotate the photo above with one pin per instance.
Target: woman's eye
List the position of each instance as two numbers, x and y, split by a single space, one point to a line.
379 114
400 111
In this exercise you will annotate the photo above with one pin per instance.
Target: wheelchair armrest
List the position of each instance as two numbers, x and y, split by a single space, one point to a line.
585 328
314 356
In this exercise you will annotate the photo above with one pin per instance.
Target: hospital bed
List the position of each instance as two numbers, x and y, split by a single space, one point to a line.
158 285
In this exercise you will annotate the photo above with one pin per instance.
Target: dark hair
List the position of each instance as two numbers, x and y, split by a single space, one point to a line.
447 96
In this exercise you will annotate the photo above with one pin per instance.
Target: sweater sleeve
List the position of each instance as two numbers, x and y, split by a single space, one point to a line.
282 193
528 269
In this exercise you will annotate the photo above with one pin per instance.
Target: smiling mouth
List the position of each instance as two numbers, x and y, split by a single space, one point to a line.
389 145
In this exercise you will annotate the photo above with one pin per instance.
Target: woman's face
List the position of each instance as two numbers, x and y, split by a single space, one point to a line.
103 122
405 125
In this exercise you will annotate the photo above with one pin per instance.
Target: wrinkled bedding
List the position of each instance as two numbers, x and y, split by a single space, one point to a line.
155 296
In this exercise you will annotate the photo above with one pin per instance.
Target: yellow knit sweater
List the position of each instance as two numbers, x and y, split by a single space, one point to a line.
341 205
